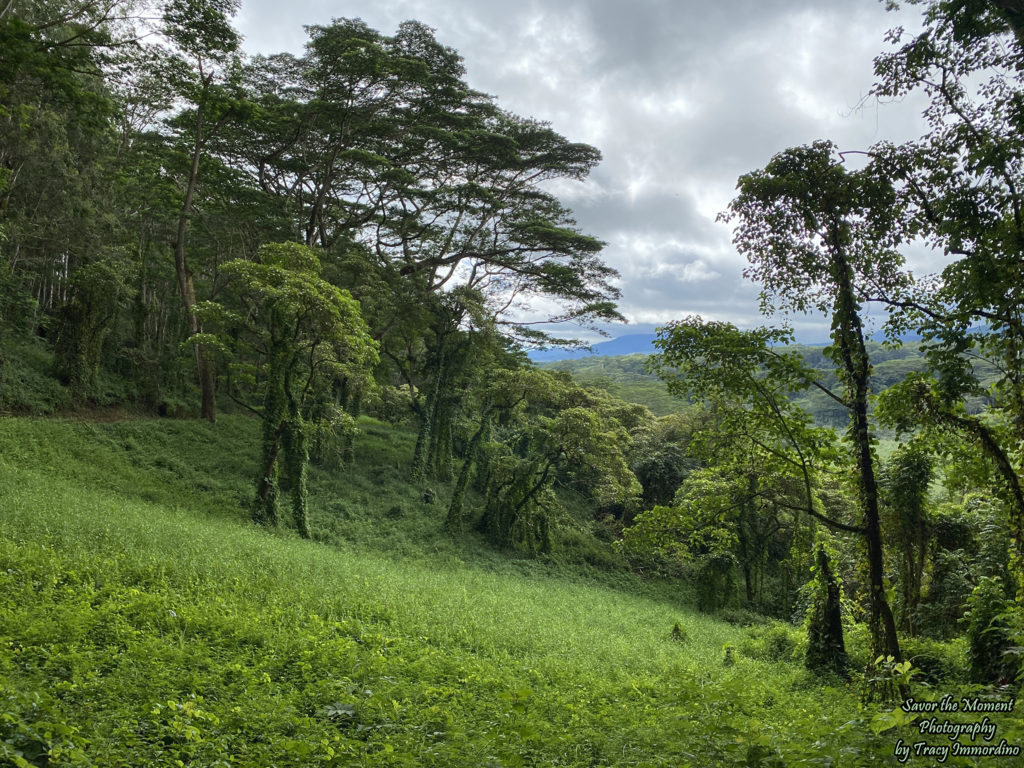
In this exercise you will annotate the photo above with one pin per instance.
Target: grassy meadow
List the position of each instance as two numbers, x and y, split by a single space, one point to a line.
145 622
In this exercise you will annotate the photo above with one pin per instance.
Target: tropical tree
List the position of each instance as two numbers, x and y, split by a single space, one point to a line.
291 337
203 72
61 241
660 458
819 238
745 380
430 200
764 465
960 187
378 140
536 431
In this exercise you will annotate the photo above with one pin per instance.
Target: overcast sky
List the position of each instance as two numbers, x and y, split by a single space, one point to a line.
680 97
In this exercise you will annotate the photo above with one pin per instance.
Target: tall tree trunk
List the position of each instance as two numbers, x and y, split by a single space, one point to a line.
297 464
274 426
454 522
440 458
265 507
186 284
427 413
826 649
850 339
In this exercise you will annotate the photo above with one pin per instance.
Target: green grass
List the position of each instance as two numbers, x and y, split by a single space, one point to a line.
210 468
144 622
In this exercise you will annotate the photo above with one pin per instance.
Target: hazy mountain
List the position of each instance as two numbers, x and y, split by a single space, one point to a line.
643 344
631 344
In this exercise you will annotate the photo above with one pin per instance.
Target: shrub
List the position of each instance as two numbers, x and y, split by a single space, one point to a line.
729 657
826 648
988 633
938 662
741 617
579 547
679 633
25 384
775 641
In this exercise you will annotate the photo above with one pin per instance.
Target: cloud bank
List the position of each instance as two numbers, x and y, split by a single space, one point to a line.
681 99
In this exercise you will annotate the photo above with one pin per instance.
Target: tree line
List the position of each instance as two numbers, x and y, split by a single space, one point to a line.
282 233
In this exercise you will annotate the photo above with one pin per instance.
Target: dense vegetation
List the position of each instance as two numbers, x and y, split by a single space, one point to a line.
629 378
312 269
144 621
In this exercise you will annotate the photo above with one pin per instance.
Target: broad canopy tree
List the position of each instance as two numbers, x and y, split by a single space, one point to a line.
429 200
378 140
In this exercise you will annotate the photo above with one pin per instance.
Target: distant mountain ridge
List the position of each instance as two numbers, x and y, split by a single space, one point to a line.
630 344
643 344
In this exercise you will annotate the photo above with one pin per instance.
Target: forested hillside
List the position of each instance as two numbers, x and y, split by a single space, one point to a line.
629 378
625 377
279 484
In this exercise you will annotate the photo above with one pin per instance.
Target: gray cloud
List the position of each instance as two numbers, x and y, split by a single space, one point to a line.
681 98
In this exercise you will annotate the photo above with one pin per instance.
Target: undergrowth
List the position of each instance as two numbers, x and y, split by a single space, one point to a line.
144 621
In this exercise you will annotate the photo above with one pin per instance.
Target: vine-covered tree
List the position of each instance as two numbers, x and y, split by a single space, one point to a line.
826 648
292 332
905 480
818 238
536 431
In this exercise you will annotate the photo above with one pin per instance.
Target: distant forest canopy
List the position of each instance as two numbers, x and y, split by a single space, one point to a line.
627 377
310 239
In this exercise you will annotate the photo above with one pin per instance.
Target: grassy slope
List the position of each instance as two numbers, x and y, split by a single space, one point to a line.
144 622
